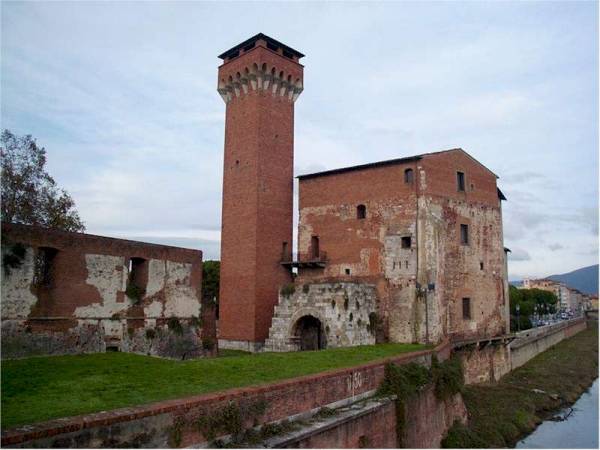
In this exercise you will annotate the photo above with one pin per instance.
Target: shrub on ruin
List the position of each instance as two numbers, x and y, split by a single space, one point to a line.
150 333
404 382
134 292
175 326
288 290
208 343
447 376
13 258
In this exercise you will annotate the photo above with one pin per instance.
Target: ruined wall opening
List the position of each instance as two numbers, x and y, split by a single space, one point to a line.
137 271
44 262
309 332
408 176
361 212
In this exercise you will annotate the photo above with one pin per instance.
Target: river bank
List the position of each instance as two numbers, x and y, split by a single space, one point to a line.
503 413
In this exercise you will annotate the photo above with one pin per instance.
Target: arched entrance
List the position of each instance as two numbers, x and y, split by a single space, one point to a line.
308 331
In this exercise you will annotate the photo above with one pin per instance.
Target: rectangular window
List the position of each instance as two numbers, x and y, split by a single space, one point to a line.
406 241
314 247
466 307
464 234
481 265
460 181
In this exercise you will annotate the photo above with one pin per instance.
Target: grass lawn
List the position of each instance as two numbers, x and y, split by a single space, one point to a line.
43 388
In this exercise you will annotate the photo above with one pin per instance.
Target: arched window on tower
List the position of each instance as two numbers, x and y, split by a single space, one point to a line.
408 176
361 212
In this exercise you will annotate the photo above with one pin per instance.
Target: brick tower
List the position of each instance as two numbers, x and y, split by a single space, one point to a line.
259 80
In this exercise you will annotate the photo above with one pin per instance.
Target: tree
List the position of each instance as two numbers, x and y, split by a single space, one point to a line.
210 282
527 299
29 194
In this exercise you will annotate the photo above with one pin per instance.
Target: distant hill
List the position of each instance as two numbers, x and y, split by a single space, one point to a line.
584 279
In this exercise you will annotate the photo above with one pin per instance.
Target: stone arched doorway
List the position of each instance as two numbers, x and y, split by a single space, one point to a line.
308 331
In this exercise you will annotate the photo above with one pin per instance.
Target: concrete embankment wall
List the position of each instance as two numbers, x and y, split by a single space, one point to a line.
530 343
178 423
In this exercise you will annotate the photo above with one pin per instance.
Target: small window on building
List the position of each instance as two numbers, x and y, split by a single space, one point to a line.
43 266
284 252
347 271
408 176
361 211
314 247
406 241
466 308
460 181
464 234
481 265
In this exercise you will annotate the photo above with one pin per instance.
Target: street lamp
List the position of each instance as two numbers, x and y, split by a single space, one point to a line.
535 315
518 321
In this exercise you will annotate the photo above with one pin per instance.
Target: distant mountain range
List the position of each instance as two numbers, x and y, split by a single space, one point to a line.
584 279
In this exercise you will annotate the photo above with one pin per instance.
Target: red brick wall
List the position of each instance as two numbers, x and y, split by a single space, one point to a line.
257 197
283 399
370 248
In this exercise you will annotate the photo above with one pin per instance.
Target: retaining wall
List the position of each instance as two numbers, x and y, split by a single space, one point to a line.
174 423
530 343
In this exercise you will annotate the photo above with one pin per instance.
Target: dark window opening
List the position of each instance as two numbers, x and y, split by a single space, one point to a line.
137 272
406 241
314 247
466 308
481 265
284 252
464 234
272 47
460 181
408 176
249 46
361 211
288 54
347 271
43 266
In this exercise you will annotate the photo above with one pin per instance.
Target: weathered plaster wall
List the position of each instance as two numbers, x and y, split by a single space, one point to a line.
420 285
82 306
342 308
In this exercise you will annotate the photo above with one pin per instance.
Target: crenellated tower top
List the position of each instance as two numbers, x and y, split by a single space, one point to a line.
260 63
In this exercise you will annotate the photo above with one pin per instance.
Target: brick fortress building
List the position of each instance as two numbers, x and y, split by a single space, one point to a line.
406 250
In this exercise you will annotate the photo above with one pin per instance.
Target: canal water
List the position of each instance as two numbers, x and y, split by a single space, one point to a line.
579 430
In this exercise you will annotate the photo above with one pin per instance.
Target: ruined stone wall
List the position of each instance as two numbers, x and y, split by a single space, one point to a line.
485 362
343 309
83 298
421 284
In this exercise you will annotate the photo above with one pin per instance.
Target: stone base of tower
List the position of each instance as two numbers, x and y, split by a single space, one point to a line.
246 346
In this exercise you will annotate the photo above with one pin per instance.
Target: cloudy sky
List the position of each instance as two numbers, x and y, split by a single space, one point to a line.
123 97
